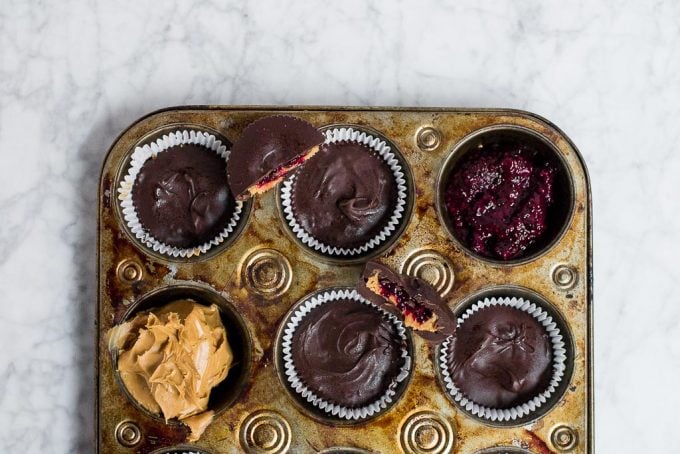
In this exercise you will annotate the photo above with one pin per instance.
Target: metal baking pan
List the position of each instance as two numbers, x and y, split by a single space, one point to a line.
264 270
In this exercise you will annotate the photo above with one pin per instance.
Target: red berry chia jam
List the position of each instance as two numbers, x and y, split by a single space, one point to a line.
405 303
498 199
281 170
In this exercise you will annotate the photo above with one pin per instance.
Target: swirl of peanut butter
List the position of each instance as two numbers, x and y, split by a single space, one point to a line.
170 359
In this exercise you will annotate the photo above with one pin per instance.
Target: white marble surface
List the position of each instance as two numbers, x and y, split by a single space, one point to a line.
73 74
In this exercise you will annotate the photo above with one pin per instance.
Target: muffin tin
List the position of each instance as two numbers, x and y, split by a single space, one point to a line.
263 270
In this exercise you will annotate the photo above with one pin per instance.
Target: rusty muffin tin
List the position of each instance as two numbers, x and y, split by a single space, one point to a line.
262 271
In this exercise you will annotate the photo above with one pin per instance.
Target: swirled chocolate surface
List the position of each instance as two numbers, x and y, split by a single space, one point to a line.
347 352
182 196
500 357
345 195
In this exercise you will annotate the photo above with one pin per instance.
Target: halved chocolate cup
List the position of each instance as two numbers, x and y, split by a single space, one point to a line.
409 298
269 149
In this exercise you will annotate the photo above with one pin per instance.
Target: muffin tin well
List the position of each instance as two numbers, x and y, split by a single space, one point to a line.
228 391
561 211
262 271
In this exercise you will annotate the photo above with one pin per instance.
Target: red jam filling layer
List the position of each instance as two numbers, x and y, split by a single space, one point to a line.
406 304
282 170
499 200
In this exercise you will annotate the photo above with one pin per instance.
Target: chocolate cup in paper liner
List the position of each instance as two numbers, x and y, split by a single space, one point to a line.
542 400
181 450
308 398
394 220
503 450
227 392
172 141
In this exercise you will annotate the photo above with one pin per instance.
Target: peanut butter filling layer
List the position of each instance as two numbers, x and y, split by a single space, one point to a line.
170 359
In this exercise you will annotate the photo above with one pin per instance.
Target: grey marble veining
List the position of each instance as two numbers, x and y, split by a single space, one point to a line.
73 74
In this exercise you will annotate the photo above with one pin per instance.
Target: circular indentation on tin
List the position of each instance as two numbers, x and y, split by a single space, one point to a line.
426 432
229 390
129 271
565 277
564 438
431 267
513 291
267 272
560 212
128 434
428 138
265 432
379 244
125 166
300 401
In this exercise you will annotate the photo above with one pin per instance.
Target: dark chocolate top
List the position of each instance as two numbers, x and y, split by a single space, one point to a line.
420 297
499 199
347 352
345 195
267 144
500 357
182 196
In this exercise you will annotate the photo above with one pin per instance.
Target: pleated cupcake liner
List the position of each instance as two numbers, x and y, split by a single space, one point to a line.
150 150
384 151
519 411
296 383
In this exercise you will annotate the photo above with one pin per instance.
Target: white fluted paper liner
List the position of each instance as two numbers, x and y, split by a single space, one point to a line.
383 150
559 359
299 387
151 150
180 451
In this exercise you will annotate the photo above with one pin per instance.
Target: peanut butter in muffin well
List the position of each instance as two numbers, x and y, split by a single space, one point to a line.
170 359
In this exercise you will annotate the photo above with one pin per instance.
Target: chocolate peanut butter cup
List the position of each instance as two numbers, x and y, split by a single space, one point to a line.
268 149
175 197
351 199
413 300
180 450
344 356
505 361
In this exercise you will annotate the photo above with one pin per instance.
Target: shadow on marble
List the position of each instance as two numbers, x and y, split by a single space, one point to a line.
91 157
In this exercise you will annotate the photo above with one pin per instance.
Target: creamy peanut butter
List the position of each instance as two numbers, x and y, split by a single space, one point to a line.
170 359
